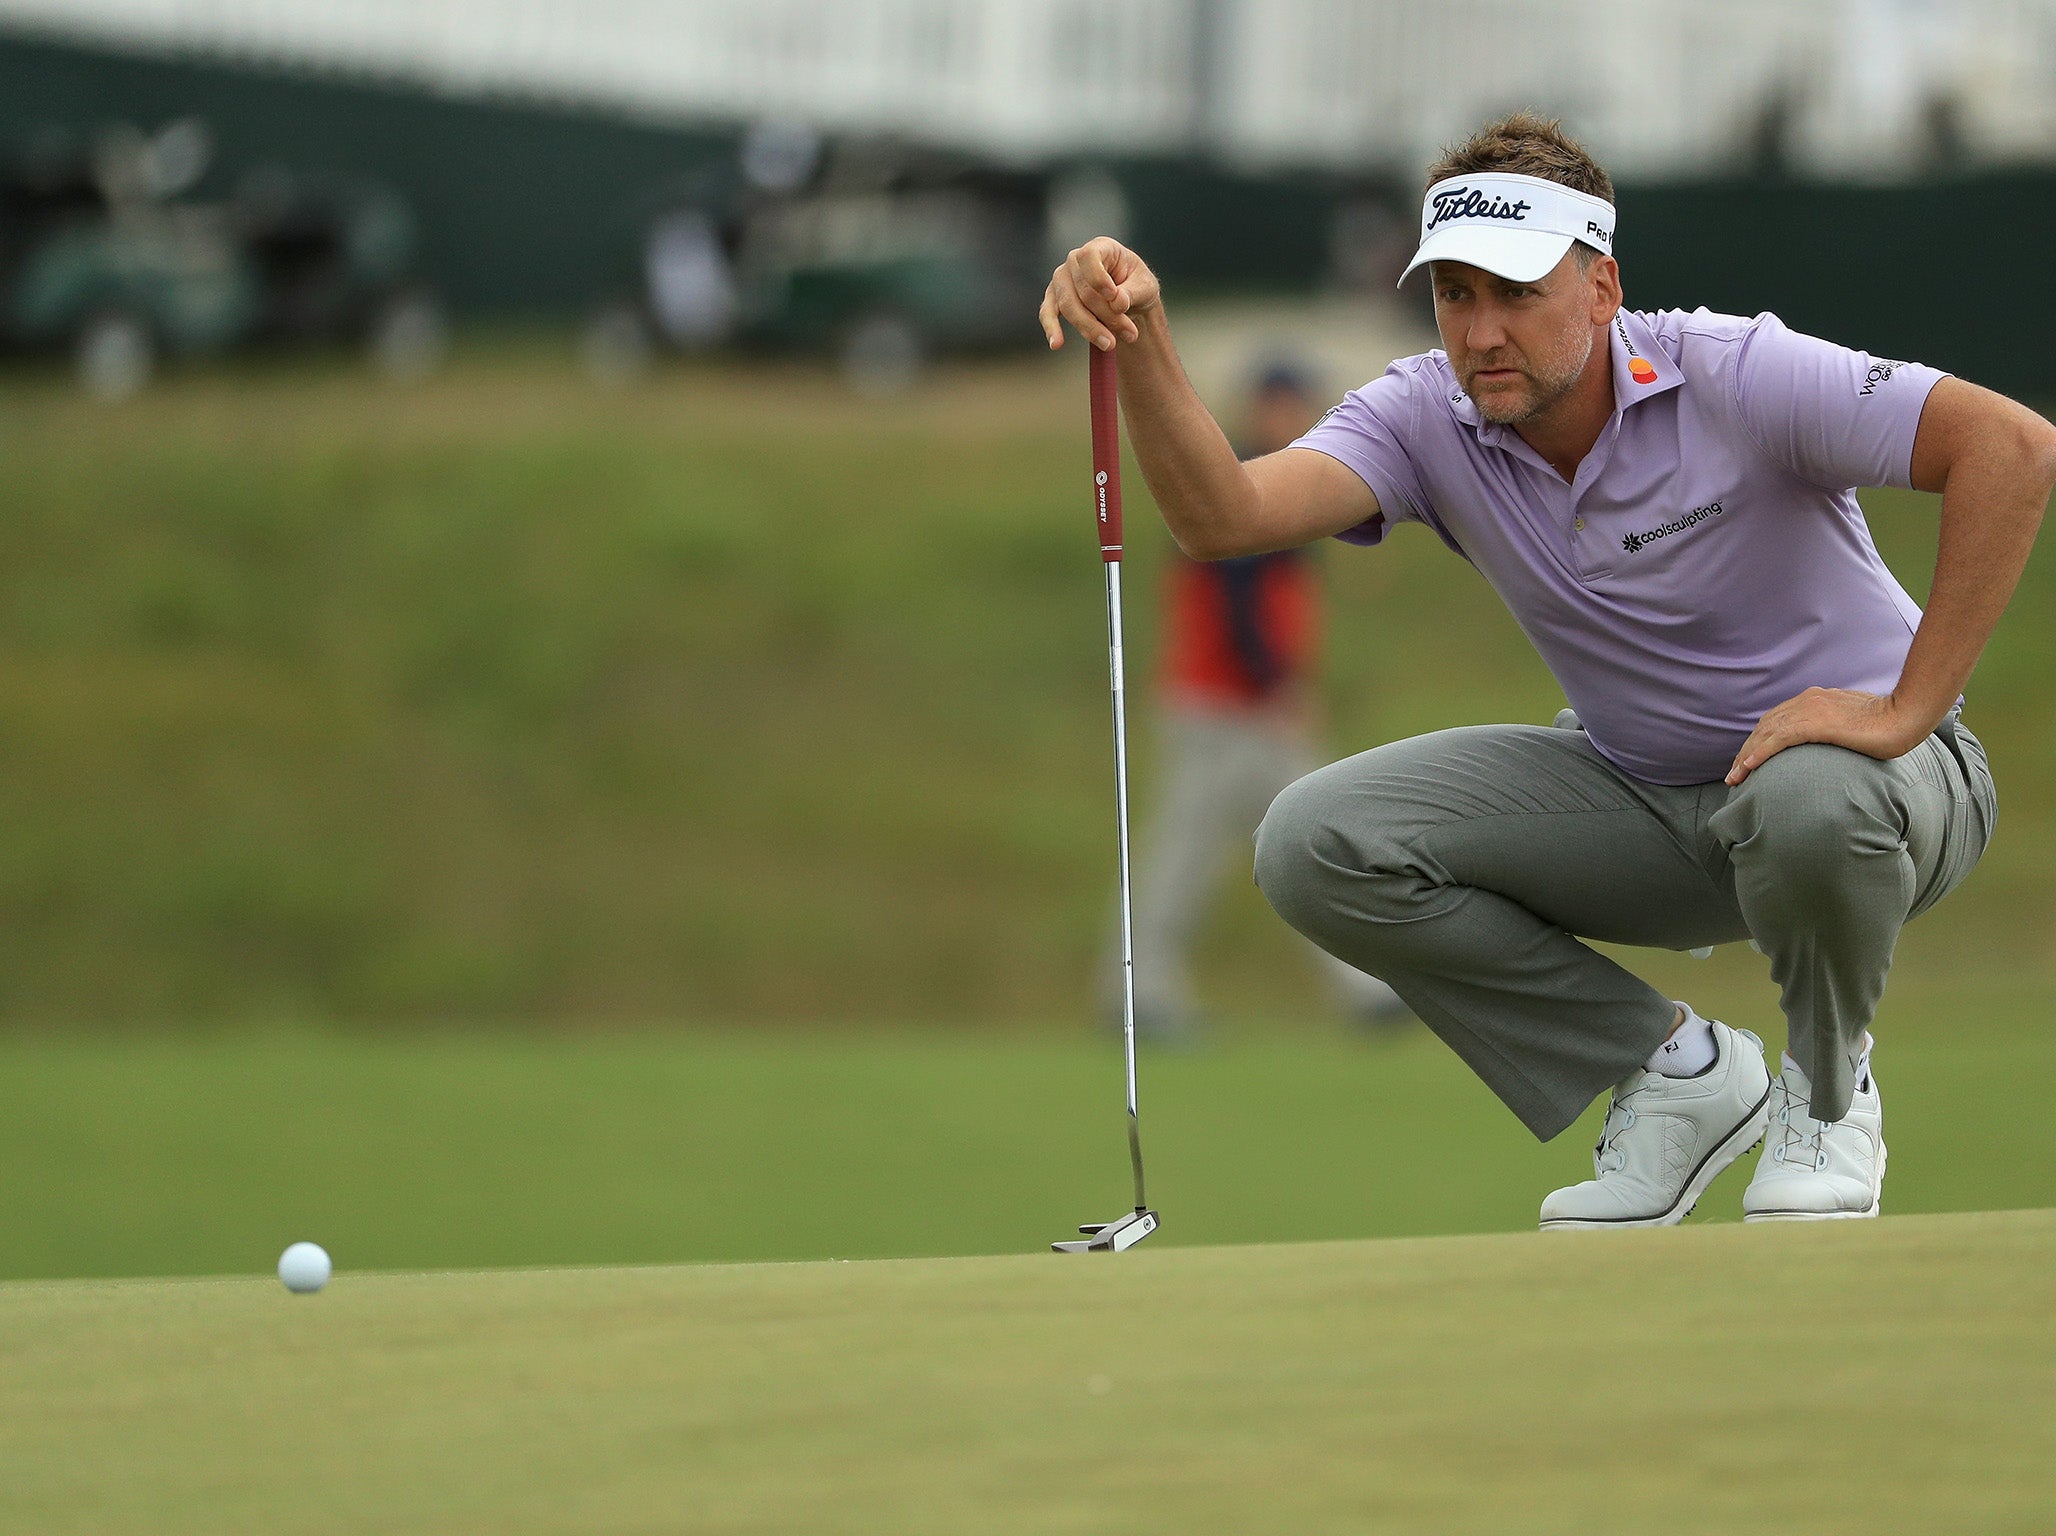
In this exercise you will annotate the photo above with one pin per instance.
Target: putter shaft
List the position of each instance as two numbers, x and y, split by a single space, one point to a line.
1116 668
1114 1236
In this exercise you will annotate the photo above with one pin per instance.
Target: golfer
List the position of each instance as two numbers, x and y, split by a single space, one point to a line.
1764 737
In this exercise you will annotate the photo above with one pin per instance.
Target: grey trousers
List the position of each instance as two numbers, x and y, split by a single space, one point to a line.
1464 868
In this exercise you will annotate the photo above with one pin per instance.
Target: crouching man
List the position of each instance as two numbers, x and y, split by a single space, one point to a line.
1765 737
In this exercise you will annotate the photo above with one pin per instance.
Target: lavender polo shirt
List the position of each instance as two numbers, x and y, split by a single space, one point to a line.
1708 562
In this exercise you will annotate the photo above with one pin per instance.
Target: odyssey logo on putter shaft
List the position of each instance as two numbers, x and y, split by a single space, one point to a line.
1127 1231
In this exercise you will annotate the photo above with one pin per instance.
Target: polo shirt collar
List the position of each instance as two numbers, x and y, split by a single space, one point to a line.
1641 370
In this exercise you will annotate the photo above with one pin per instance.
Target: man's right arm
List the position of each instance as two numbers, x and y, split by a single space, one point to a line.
1215 506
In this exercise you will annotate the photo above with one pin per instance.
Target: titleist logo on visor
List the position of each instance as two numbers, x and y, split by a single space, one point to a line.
1469 203
1516 226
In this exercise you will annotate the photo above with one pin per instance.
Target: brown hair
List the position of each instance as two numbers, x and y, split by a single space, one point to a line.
1525 144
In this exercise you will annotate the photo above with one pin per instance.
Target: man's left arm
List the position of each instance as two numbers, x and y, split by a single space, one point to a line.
1994 461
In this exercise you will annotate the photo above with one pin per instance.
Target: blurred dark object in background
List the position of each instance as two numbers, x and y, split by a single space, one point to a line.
336 262
878 254
106 255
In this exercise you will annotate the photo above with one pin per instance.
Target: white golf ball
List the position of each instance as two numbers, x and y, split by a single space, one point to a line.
304 1267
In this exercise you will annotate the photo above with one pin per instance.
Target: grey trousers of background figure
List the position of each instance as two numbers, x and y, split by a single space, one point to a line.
1465 866
1221 769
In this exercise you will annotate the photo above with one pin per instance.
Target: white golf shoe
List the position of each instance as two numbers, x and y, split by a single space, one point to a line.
1814 1170
1667 1138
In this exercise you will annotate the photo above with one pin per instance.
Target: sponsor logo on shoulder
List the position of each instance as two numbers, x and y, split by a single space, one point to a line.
1639 367
1468 203
1880 373
1634 542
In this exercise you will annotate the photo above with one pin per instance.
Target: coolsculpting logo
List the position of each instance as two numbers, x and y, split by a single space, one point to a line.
1880 373
1468 203
1634 541
1639 367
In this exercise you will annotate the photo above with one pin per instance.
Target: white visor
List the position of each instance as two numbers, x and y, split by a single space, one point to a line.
1516 226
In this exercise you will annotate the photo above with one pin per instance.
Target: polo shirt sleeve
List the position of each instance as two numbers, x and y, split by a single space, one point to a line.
1368 432
1837 418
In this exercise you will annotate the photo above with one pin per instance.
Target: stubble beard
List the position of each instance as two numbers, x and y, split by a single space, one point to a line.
1546 386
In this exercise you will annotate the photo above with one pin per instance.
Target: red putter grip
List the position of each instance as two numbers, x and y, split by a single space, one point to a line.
1106 453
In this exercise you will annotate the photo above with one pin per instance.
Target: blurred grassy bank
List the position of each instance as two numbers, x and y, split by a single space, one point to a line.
727 696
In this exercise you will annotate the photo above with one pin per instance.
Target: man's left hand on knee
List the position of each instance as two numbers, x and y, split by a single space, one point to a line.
1871 723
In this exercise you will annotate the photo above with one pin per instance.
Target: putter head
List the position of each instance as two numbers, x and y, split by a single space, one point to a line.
1113 1236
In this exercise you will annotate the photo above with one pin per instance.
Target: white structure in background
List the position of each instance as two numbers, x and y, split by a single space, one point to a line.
1660 87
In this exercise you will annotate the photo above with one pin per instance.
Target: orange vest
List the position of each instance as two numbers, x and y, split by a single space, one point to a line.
1239 632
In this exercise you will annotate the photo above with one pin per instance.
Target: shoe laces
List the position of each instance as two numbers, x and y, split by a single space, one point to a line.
1798 1134
1607 1156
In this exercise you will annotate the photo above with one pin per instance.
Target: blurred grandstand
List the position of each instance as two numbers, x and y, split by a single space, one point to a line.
1662 88
882 182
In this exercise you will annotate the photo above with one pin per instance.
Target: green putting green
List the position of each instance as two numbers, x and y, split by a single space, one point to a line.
1872 1378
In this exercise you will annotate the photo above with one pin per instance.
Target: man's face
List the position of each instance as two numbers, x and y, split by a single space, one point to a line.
1519 348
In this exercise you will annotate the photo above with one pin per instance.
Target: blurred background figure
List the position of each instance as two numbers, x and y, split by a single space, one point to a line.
1239 720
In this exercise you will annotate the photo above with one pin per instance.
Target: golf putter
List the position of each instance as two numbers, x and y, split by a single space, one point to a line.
1127 1231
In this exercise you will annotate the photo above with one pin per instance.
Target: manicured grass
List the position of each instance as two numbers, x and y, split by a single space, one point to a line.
1856 1379
207 1154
